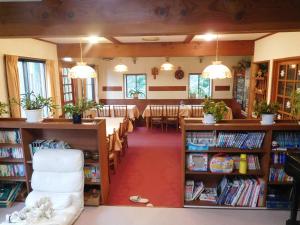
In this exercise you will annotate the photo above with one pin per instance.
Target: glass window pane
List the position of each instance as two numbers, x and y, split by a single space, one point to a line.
282 72
199 87
281 87
291 72
289 88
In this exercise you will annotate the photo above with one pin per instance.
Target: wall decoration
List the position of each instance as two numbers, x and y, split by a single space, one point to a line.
155 72
179 74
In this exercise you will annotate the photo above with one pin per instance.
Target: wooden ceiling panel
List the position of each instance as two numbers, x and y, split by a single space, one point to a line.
226 48
144 17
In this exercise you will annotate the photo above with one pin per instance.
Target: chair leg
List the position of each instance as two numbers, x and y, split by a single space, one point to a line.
166 126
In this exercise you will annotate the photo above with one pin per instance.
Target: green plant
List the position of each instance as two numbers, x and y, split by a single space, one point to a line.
80 107
264 108
135 92
3 108
295 104
30 101
217 109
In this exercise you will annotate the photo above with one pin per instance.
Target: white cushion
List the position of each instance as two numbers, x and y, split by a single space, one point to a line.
58 160
59 200
57 182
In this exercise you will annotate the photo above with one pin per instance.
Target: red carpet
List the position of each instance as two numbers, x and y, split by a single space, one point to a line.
151 168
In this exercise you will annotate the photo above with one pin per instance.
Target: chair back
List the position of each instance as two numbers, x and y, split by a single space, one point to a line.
59 171
104 111
172 111
120 110
197 111
156 110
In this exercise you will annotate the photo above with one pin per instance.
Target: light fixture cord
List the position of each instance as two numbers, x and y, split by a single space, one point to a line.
217 48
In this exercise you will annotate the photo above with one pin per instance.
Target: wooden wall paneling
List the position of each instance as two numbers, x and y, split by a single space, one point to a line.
155 17
112 88
222 88
167 88
196 49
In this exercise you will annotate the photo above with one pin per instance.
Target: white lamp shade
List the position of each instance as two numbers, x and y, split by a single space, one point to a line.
121 68
82 71
167 66
216 71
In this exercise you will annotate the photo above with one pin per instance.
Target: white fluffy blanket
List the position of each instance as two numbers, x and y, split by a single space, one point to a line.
41 210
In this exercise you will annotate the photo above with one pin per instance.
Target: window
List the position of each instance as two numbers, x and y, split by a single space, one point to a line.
90 89
135 82
199 87
32 77
67 86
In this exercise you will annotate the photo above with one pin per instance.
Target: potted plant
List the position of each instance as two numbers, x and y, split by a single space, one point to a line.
266 111
295 104
193 94
3 109
77 110
34 105
135 93
213 111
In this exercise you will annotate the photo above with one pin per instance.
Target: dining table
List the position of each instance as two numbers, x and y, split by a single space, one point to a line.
185 111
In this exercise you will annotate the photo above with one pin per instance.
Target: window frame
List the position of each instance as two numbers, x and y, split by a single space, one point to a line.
210 83
73 84
125 83
93 83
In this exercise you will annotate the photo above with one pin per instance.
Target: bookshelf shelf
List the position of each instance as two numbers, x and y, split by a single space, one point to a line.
87 136
280 183
234 173
23 179
90 182
263 153
11 160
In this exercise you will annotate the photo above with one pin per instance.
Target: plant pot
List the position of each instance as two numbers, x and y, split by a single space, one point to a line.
267 119
209 119
135 96
77 118
34 116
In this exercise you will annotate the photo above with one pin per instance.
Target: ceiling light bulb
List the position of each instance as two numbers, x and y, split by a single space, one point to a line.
67 59
209 37
121 68
216 71
94 39
82 71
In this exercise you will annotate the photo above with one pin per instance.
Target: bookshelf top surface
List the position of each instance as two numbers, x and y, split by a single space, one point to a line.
51 124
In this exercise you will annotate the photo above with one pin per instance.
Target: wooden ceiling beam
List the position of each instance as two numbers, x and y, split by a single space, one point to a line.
226 48
113 40
155 17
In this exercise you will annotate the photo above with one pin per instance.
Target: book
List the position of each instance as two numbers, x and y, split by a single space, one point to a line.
209 195
198 189
189 190
197 162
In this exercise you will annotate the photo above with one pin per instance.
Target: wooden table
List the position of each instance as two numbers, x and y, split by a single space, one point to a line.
184 112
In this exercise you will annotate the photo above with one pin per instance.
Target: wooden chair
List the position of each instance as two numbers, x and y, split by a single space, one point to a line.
112 155
197 111
172 116
104 111
157 116
123 135
120 110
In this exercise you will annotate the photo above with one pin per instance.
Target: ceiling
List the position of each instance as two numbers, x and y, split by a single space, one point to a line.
107 18
156 39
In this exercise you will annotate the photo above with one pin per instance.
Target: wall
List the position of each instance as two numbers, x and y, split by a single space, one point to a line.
107 77
277 46
25 47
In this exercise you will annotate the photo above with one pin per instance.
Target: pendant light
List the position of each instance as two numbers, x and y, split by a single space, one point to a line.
216 70
82 70
121 68
167 66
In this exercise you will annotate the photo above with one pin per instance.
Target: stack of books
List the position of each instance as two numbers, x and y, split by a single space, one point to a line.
92 173
241 192
285 140
193 190
47 144
15 170
197 141
250 140
9 193
278 158
10 137
15 153
278 175
252 162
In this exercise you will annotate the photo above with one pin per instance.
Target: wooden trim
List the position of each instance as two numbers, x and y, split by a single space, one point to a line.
188 38
267 35
112 88
196 49
49 42
167 88
125 88
222 88
296 58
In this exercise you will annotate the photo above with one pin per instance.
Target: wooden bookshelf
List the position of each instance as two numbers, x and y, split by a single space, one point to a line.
264 153
89 136
258 84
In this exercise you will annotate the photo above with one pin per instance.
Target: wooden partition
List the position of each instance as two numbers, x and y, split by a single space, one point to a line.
89 136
